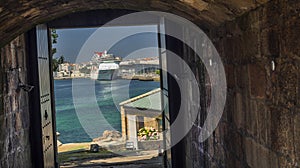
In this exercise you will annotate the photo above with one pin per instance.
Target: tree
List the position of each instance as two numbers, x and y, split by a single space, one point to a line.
54 64
157 72
61 59
54 37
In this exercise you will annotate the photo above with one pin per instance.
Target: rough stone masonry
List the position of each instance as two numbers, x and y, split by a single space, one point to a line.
261 123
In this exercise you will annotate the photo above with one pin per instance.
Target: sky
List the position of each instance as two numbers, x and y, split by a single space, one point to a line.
78 45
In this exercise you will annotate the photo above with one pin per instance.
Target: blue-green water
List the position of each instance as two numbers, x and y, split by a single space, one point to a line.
68 123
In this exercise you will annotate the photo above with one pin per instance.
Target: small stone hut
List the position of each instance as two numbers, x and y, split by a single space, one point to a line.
142 111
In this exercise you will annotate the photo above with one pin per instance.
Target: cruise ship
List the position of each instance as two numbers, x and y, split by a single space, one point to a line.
107 65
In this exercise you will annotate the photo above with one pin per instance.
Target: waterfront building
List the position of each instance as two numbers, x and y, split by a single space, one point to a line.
143 111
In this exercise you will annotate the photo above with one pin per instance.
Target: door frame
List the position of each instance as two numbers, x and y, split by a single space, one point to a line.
36 135
78 20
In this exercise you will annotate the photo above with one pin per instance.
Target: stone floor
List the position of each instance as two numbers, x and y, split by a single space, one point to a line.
141 159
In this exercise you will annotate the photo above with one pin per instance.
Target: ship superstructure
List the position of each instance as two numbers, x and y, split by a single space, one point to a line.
107 65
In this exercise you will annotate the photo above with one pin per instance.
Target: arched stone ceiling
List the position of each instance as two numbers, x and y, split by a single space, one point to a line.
16 17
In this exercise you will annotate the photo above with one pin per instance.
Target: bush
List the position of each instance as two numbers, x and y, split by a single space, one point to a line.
147 133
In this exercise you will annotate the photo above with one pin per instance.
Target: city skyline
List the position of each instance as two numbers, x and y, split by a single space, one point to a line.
78 45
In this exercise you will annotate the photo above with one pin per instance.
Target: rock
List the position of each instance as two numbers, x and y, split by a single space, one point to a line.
94 148
108 136
59 143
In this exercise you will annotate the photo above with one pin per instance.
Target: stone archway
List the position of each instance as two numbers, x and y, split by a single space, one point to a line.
20 16
262 113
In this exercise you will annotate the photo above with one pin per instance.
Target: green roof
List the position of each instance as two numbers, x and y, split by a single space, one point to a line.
150 100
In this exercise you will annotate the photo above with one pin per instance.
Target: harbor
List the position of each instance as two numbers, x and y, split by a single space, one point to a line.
68 124
74 144
84 134
145 77
104 66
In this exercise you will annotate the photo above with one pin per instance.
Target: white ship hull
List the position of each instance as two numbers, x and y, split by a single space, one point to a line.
107 66
103 74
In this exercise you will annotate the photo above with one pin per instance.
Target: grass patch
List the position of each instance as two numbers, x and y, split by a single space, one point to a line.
73 147
78 147
81 155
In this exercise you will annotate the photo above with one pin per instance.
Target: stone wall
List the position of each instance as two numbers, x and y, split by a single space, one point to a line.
14 113
150 145
151 122
260 126
20 16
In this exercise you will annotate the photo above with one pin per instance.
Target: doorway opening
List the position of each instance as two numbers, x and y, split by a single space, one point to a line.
132 121
107 97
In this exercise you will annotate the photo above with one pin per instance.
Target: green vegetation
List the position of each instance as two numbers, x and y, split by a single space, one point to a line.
56 62
67 156
54 37
80 151
54 65
78 147
61 59
148 133
157 72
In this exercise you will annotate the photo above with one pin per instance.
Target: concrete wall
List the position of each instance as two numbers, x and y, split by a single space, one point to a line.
150 145
260 126
14 113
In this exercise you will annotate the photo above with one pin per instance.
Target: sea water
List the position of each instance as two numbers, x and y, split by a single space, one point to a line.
80 124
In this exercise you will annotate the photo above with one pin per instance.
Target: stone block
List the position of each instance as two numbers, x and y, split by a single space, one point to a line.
229 108
228 50
258 155
217 134
230 76
285 162
263 123
298 91
282 131
1 89
2 135
1 104
239 113
233 143
262 1
212 164
250 44
269 12
264 39
219 151
242 77
290 40
273 160
251 119
232 161
226 108
257 77
297 136
238 48
287 82
211 151
273 42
